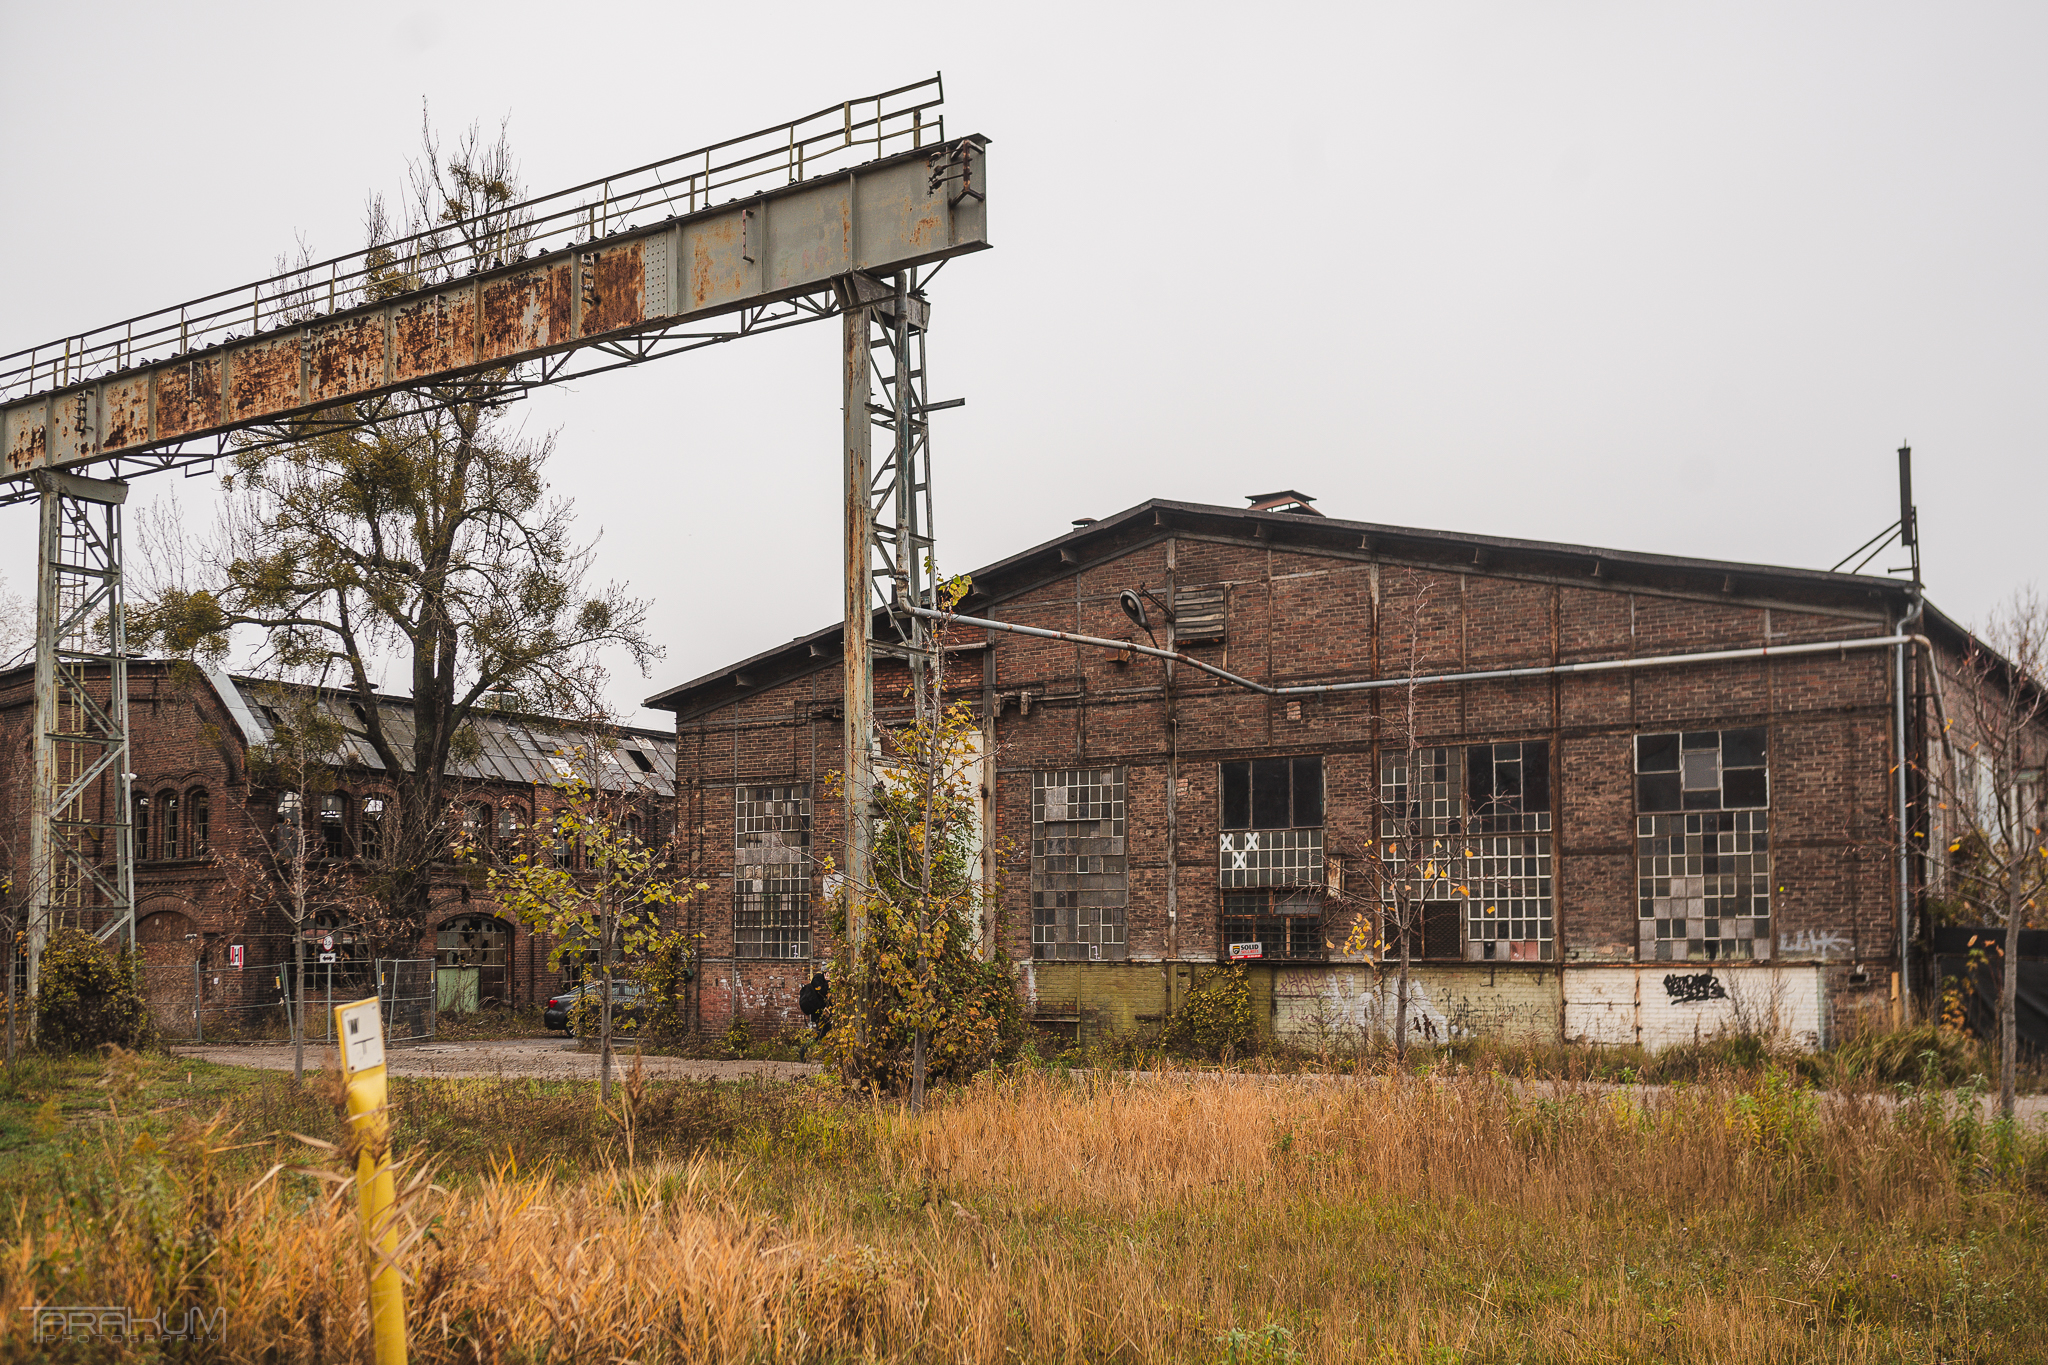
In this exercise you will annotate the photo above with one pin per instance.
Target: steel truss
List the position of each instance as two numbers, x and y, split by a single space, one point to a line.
490 388
81 840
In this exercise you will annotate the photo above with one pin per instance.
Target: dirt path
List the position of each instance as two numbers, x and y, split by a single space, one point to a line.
540 1058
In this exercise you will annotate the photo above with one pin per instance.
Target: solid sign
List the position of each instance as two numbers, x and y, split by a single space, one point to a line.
362 1036
1240 951
327 957
327 943
237 955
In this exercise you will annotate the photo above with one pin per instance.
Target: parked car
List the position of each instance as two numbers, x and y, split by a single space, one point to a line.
626 1004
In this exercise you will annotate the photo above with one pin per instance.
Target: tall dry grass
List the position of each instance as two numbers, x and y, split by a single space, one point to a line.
1162 1219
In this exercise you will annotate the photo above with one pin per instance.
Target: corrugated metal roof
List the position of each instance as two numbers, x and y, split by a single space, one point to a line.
513 748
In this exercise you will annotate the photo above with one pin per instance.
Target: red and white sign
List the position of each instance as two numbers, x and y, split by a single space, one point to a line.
238 955
327 943
1239 952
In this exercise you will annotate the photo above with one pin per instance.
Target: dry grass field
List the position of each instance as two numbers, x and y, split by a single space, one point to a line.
1036 1217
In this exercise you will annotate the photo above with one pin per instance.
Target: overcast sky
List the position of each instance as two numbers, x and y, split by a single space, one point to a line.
1657 277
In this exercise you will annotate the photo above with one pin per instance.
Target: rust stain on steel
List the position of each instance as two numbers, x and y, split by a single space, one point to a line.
264 377
125 412
715 262
26 438
529 311
187 396
433 334
619 281
70 429
345 357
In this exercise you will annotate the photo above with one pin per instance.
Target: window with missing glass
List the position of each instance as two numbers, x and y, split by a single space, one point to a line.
1466 847
1272 822
1270 857
1287 925
772 871
1080 870
1703 845
370 828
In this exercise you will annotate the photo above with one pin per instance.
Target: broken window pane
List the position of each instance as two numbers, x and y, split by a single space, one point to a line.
1271 788
1237 795
1079 869
771 871
1703 876
1656 753
1287 925
1308 792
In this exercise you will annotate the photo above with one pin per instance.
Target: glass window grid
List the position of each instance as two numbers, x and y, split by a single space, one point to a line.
1080 870
771 871
1504 860
1703 886
1270 857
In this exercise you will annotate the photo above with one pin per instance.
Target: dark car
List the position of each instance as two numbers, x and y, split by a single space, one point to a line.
626 1005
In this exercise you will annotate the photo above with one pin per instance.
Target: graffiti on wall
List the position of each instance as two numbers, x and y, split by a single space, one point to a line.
1695 989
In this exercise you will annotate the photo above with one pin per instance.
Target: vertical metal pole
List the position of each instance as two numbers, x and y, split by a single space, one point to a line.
199 1000
42 854
859 663
1905 834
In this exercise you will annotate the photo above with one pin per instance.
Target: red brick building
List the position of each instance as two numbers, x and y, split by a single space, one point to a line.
1654 847
196 799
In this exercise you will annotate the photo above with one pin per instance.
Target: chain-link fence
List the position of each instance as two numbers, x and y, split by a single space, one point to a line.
209 1004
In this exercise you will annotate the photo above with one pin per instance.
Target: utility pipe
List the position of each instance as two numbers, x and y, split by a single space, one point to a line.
1486 675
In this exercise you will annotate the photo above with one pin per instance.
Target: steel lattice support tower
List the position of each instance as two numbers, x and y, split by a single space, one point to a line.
889 535
81 842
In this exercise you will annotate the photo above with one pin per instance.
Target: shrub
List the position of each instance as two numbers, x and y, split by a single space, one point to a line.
1215 1020
90 994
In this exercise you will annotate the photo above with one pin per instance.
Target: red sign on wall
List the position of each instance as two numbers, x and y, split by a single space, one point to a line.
237 955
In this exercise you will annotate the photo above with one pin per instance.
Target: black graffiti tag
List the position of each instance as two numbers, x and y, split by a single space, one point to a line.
1691 990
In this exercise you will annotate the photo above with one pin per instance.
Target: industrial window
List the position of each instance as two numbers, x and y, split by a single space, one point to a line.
140 822
1272 924
1272 822
1490 897
370 828
771 871
1198 615
167 824
198 820
1080 884
511 822
1703 846
334 825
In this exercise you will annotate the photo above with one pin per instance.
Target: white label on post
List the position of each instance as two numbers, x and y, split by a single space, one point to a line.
362 1037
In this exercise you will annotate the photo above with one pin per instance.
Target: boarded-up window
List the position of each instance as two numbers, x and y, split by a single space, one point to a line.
771 914
1080 886
1198 615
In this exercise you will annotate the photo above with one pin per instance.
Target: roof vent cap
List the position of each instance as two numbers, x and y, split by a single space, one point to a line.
1285 500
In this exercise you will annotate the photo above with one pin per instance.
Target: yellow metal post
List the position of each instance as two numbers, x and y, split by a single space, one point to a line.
360 1029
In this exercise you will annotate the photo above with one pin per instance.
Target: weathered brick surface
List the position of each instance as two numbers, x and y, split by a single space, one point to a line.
1311 615
182 739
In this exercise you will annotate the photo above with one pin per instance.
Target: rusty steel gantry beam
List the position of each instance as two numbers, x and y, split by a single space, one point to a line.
829 214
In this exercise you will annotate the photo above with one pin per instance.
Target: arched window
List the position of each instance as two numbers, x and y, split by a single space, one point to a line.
334 825
199 832
511 821
476 823
632 830
370 828
141 824
167 823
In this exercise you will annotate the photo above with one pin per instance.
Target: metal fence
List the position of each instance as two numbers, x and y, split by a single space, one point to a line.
211 1004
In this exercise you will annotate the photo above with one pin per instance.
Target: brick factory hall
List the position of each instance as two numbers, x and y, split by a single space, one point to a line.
1679 813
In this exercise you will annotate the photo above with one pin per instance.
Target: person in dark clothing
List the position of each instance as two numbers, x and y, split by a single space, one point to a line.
815 1000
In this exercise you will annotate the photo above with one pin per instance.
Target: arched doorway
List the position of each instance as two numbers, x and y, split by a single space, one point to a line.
472 963
169 942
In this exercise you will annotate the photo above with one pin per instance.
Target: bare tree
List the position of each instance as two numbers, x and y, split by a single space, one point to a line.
427 543
1409 862
1991 806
